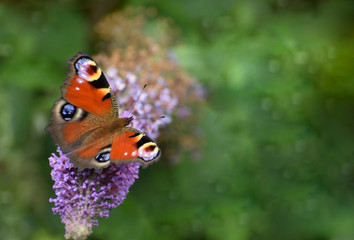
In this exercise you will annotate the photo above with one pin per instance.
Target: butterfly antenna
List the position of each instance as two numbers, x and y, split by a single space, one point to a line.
150 118
131 109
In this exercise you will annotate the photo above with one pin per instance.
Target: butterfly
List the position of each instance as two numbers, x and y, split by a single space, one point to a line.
86 126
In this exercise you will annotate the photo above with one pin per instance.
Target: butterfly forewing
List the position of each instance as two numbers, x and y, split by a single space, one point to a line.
87 87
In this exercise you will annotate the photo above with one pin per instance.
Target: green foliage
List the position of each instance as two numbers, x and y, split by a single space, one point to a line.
277 152
33 43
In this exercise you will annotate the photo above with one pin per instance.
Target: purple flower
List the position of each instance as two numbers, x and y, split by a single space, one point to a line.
154 102
84 196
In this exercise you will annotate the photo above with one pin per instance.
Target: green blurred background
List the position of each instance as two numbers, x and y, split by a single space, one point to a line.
277 156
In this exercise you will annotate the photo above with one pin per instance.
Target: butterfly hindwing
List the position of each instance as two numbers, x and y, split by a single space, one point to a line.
93 155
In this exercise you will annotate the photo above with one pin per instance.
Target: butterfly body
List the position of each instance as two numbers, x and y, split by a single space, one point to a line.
85 122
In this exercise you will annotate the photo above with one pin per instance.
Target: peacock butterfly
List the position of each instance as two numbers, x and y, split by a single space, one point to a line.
85 122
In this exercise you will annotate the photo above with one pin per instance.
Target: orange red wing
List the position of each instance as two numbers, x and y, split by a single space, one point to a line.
134 145
86 87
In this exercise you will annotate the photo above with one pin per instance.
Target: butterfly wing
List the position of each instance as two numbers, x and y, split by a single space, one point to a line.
133 145
87 87
127 145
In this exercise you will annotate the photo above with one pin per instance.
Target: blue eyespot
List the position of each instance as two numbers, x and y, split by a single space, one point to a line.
67 111
103 157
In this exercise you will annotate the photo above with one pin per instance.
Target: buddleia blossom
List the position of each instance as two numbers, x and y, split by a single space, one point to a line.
84 196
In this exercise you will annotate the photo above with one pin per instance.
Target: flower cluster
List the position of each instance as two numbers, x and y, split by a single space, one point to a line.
84 196
156 101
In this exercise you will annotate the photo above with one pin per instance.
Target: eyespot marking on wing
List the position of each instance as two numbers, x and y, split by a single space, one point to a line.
69 112
149 152
87 69
103 157
147 149
105 154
